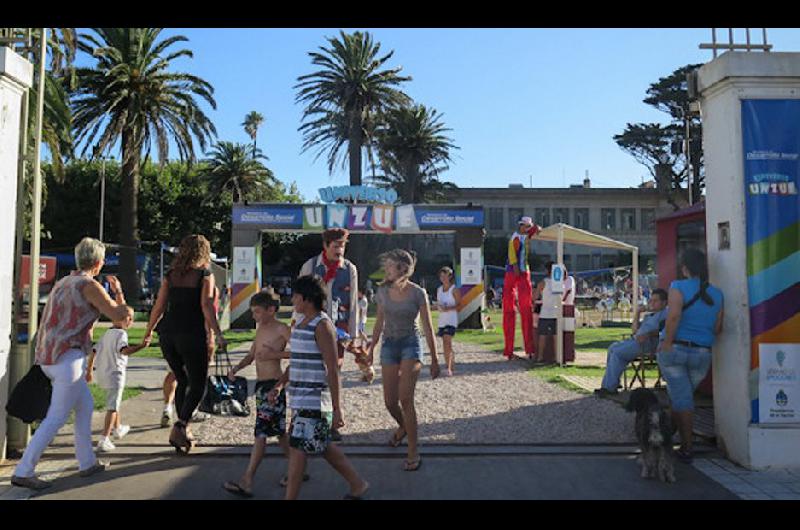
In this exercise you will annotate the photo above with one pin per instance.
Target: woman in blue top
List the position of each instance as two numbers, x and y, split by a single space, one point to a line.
684 356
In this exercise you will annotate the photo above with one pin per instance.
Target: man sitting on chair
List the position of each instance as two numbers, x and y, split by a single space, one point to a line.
622 352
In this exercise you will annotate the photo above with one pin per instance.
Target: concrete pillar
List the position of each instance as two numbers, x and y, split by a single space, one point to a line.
723 84
16 75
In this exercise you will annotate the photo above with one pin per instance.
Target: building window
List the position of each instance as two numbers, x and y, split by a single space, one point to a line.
608 219
495 218
542 217
513 217
561 215
584 262
629 220
582 218
648 219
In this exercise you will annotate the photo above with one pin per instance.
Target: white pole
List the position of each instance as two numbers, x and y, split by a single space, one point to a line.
559 308
33 304
635 294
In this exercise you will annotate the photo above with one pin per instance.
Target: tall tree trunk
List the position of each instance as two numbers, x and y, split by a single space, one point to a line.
129 222
355 141
411 177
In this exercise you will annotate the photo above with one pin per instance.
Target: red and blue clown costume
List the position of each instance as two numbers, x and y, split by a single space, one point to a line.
518 288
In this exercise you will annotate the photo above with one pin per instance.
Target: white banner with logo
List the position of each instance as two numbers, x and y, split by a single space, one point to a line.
244 263
471 259
778 384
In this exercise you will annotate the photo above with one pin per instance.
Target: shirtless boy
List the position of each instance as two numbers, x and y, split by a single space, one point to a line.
267 350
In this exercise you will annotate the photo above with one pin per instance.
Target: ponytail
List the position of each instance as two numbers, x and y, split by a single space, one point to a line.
695 262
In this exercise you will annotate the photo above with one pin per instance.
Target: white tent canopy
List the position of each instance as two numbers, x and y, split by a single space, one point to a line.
576 236
563 233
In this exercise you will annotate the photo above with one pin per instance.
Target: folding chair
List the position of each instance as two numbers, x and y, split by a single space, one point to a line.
645 360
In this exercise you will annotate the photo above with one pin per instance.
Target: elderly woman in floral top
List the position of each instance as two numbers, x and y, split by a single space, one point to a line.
63 342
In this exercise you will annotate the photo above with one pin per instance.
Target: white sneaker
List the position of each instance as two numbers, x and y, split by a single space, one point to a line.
105 445
121 431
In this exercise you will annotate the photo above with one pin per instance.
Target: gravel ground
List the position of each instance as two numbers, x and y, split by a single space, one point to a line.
488 401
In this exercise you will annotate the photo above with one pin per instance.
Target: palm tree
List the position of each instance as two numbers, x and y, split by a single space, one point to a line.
350 87
234 167
56 118
130 97
413 150
252 121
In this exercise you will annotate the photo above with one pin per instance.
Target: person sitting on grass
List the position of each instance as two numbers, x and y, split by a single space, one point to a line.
622 352
267 350
110 357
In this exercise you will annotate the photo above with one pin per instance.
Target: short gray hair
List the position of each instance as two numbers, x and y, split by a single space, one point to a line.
88 252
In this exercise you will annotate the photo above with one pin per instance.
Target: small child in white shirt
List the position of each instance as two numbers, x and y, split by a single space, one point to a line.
363 306
110 358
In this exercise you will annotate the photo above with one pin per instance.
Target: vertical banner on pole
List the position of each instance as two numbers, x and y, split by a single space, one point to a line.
771 138
246 264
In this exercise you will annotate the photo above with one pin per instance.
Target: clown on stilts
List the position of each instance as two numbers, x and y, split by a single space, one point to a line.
517 288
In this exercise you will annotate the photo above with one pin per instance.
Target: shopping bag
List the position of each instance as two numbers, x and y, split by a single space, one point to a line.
224 397
30 398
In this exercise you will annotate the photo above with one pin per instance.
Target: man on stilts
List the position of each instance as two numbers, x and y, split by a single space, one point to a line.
517 287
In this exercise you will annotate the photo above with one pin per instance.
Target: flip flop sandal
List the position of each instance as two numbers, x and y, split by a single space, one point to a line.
351 497
285 480
237 489
413 465
394 441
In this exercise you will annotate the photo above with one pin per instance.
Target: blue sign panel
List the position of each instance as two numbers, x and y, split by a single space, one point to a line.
357 217
272 216
448 218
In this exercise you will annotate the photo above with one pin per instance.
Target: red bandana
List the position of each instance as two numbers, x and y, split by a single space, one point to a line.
330 268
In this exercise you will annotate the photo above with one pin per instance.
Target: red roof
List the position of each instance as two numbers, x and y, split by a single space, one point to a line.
696 208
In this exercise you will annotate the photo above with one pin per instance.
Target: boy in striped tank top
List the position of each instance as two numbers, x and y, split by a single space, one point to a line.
313 390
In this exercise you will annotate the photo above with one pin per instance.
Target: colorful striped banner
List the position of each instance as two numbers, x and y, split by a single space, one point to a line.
771 141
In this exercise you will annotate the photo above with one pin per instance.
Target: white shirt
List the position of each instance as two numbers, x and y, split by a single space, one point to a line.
363 305
569 290
447 318
549 300
109 363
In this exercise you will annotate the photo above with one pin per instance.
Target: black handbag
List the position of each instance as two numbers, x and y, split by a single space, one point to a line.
31 396
223 396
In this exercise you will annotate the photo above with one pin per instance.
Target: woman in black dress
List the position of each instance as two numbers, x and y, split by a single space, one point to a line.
186 302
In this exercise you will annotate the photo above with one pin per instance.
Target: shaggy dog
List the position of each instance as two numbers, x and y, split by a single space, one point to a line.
654 434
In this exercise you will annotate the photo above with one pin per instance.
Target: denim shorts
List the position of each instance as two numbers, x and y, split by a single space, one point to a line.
683 369
394 350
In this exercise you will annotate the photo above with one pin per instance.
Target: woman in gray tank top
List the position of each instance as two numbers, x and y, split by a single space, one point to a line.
400 303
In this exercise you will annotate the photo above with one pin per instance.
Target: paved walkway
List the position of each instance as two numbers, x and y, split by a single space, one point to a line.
443 476
144 467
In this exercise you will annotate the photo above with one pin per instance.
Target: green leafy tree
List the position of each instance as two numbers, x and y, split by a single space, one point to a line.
351 86
252 121
233 167
131 98
413 150
659 147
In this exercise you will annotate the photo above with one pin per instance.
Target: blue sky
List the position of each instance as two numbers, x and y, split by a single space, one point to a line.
520 102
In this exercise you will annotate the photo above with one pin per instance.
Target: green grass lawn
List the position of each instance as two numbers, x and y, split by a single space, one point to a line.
135 336
586 339
100 395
